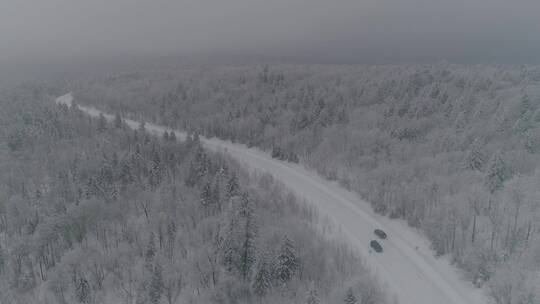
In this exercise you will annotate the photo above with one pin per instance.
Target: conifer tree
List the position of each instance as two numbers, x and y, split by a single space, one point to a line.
228 243
287 262
156 285
239 243
82 290
312 296
232 186
2 260
150 249
206 197
263 277
156 170
248 246
531 144
476 157
126 177
526 117
102 123
350 298
525 105
496 172
198 168
16 140
216 194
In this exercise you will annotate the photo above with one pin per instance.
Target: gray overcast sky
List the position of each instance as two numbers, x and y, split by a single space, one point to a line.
328 31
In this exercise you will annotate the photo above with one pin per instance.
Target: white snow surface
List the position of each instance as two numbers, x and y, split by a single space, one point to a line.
407 267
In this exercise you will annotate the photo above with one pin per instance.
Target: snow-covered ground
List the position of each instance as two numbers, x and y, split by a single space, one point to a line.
407 266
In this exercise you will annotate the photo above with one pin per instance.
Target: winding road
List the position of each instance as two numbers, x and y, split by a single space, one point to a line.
407 268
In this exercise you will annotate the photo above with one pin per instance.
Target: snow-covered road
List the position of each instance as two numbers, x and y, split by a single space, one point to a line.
407 267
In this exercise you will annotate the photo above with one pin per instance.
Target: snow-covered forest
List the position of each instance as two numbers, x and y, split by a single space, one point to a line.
452 149
94 212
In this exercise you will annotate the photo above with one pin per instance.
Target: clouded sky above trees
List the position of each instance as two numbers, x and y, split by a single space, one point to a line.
359 31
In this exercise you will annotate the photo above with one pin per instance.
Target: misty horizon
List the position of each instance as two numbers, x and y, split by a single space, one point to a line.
477 31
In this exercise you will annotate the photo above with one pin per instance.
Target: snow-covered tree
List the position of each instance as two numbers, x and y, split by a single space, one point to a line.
525 105
350 298
312 296
2 260
206 198
199 167
239 246
496 172
287 262
82 290
156 170
150 252
249 246
476 158
262 281
155 290
102 123
232 188
531 142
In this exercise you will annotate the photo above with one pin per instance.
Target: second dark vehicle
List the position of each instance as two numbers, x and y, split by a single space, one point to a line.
376 246
381 234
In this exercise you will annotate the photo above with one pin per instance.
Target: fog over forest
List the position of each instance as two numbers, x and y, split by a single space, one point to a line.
40 35
270 151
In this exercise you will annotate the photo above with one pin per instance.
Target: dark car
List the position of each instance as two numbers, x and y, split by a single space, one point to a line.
376 246
381 234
